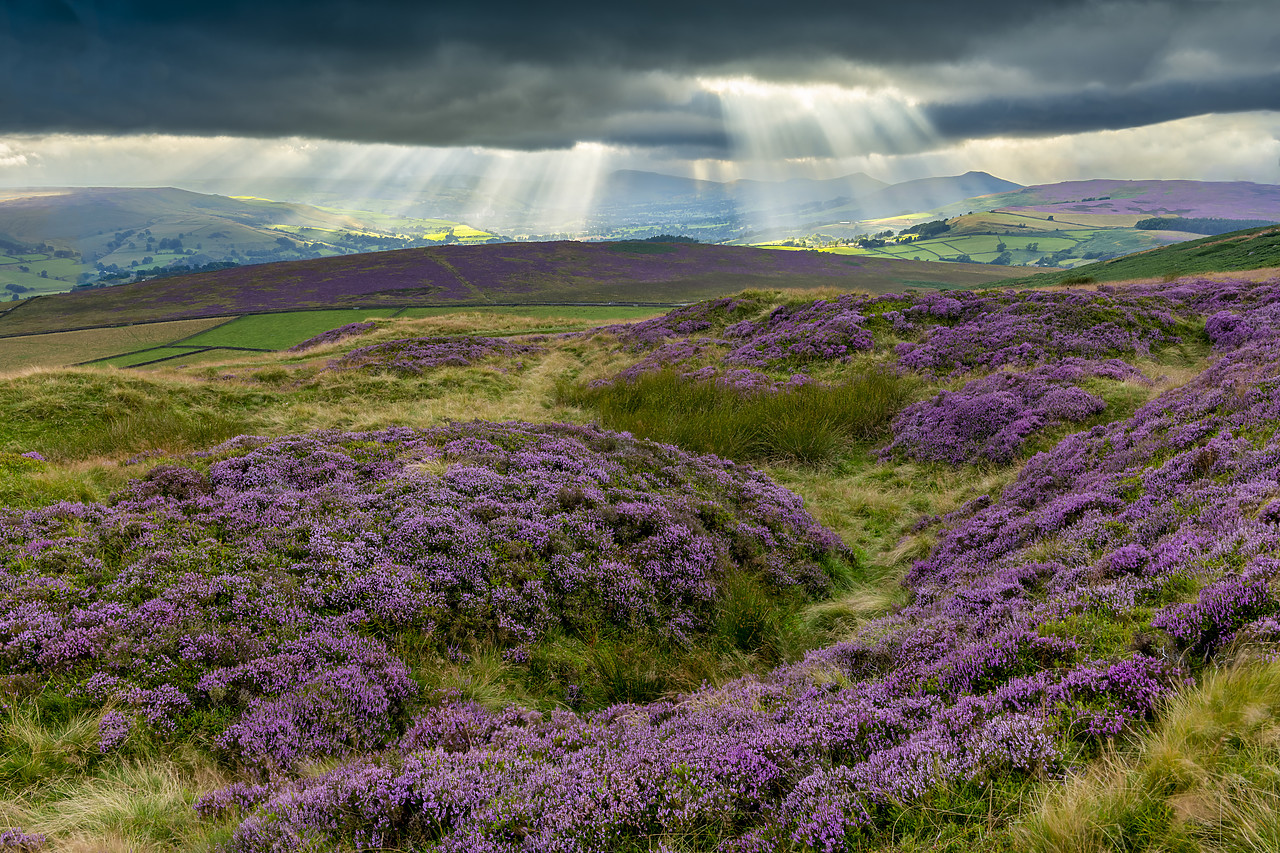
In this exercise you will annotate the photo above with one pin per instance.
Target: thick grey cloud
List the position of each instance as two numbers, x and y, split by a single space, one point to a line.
534 76
1096 109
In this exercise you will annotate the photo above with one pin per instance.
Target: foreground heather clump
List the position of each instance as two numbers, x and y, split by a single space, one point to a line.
991 418
264 583
332 336
1045 622
959 332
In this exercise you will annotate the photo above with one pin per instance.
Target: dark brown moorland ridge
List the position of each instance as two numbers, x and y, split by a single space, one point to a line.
524 273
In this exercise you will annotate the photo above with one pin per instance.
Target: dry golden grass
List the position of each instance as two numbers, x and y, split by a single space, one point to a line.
54 782
1206 779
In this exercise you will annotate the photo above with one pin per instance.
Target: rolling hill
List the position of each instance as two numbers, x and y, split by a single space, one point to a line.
54 238
1251 249
1057 225
563 272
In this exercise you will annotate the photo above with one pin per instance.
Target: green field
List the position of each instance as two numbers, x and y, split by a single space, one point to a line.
133 345
281 331
1255 248
1024 248
64 348
59 274
143 356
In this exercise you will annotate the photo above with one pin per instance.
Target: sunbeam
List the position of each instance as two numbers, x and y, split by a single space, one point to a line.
781 131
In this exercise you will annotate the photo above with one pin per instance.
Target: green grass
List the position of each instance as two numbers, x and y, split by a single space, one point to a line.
54 781
81 414
1205 779
810 424
593 666
281 331
144 356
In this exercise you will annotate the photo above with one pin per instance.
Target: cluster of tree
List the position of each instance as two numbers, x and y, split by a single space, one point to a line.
119 240
925 230
671 238
166 272
1210 226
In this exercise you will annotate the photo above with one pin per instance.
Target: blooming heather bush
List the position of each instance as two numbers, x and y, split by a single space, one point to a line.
410 356
1211 622
792 335
17 841
991 418
1032 327
332 336
260 586
936 333
990 670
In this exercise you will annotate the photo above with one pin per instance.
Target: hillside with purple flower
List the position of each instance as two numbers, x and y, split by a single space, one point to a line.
502 273
262 580
1059 523
1004 663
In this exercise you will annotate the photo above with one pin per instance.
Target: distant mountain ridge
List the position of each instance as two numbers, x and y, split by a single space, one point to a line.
752 210
1129 198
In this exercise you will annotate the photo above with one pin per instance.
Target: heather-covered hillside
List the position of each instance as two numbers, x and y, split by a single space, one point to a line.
995 540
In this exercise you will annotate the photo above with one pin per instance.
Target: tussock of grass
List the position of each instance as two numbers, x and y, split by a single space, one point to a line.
55 782
756 630
810 424
82 413
1207 778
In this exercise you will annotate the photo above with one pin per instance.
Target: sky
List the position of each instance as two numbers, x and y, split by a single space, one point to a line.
156 92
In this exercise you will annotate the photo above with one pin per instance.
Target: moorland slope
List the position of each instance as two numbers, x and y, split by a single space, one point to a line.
998 538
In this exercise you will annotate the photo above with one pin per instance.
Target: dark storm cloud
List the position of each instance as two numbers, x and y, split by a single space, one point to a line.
536 76
1087 110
